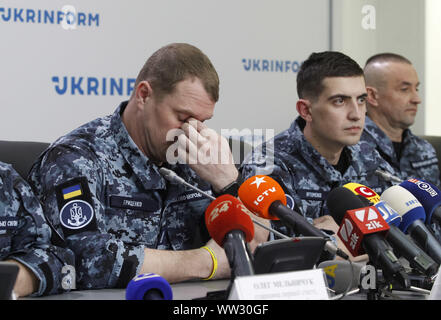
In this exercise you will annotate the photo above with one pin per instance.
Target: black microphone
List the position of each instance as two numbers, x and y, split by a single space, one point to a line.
379 251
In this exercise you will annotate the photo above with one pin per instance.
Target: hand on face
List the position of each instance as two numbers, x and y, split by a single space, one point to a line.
207 153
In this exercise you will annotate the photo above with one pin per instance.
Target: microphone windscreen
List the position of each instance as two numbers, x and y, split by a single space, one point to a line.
427 194
405 204
364 191
365 201
340 200
389 214
371 198
341 274
227 213
259 192
143 284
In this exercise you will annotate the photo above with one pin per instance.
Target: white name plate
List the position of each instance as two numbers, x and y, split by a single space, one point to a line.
295 285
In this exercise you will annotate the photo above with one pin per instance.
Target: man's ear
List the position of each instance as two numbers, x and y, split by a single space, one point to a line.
143 92
304 109
372 96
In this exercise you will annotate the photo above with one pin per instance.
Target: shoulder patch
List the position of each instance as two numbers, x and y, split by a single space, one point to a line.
289 201
76 214
76 210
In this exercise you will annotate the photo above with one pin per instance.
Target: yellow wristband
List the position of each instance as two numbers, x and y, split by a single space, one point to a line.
213 257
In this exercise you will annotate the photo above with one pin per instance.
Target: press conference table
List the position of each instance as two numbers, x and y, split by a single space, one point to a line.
191 290
181 291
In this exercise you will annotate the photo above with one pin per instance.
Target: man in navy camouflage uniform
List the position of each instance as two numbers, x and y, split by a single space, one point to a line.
393 99
25 240
320 150
101 186
392 85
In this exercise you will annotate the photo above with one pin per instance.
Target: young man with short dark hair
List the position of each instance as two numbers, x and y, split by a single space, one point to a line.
321 150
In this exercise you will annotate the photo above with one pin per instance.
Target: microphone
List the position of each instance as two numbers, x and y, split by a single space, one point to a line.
386 176
361 231
406 248
369 197
230 226
428 195
148 286
389 214
341 275
413 217
264 196
417 258
364 191
171 176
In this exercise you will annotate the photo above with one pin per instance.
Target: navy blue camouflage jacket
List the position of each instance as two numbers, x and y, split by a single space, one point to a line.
25 235
306 176
110 202
418 157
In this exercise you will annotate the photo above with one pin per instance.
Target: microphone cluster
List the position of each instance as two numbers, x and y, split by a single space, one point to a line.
398 221
387 227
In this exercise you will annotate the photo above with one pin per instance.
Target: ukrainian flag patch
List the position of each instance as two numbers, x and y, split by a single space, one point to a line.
71 192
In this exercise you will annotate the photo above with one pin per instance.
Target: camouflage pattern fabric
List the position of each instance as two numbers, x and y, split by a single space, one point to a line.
110 202
306 176
418 157
25 235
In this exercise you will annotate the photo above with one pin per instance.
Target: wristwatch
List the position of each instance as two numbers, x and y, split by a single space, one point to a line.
231 189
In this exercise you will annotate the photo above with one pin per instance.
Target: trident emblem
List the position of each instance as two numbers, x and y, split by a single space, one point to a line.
76 213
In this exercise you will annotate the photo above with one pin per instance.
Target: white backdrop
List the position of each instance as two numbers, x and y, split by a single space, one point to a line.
255 45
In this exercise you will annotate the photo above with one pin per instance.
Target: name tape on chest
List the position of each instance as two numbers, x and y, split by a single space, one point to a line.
8 223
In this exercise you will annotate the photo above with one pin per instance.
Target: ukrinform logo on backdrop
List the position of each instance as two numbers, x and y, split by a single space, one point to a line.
68 17
205 152
93 86
102 86
265 65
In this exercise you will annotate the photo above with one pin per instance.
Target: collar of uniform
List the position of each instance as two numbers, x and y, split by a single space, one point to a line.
412 146
365 159
408 136
302 148
382 141
142 166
